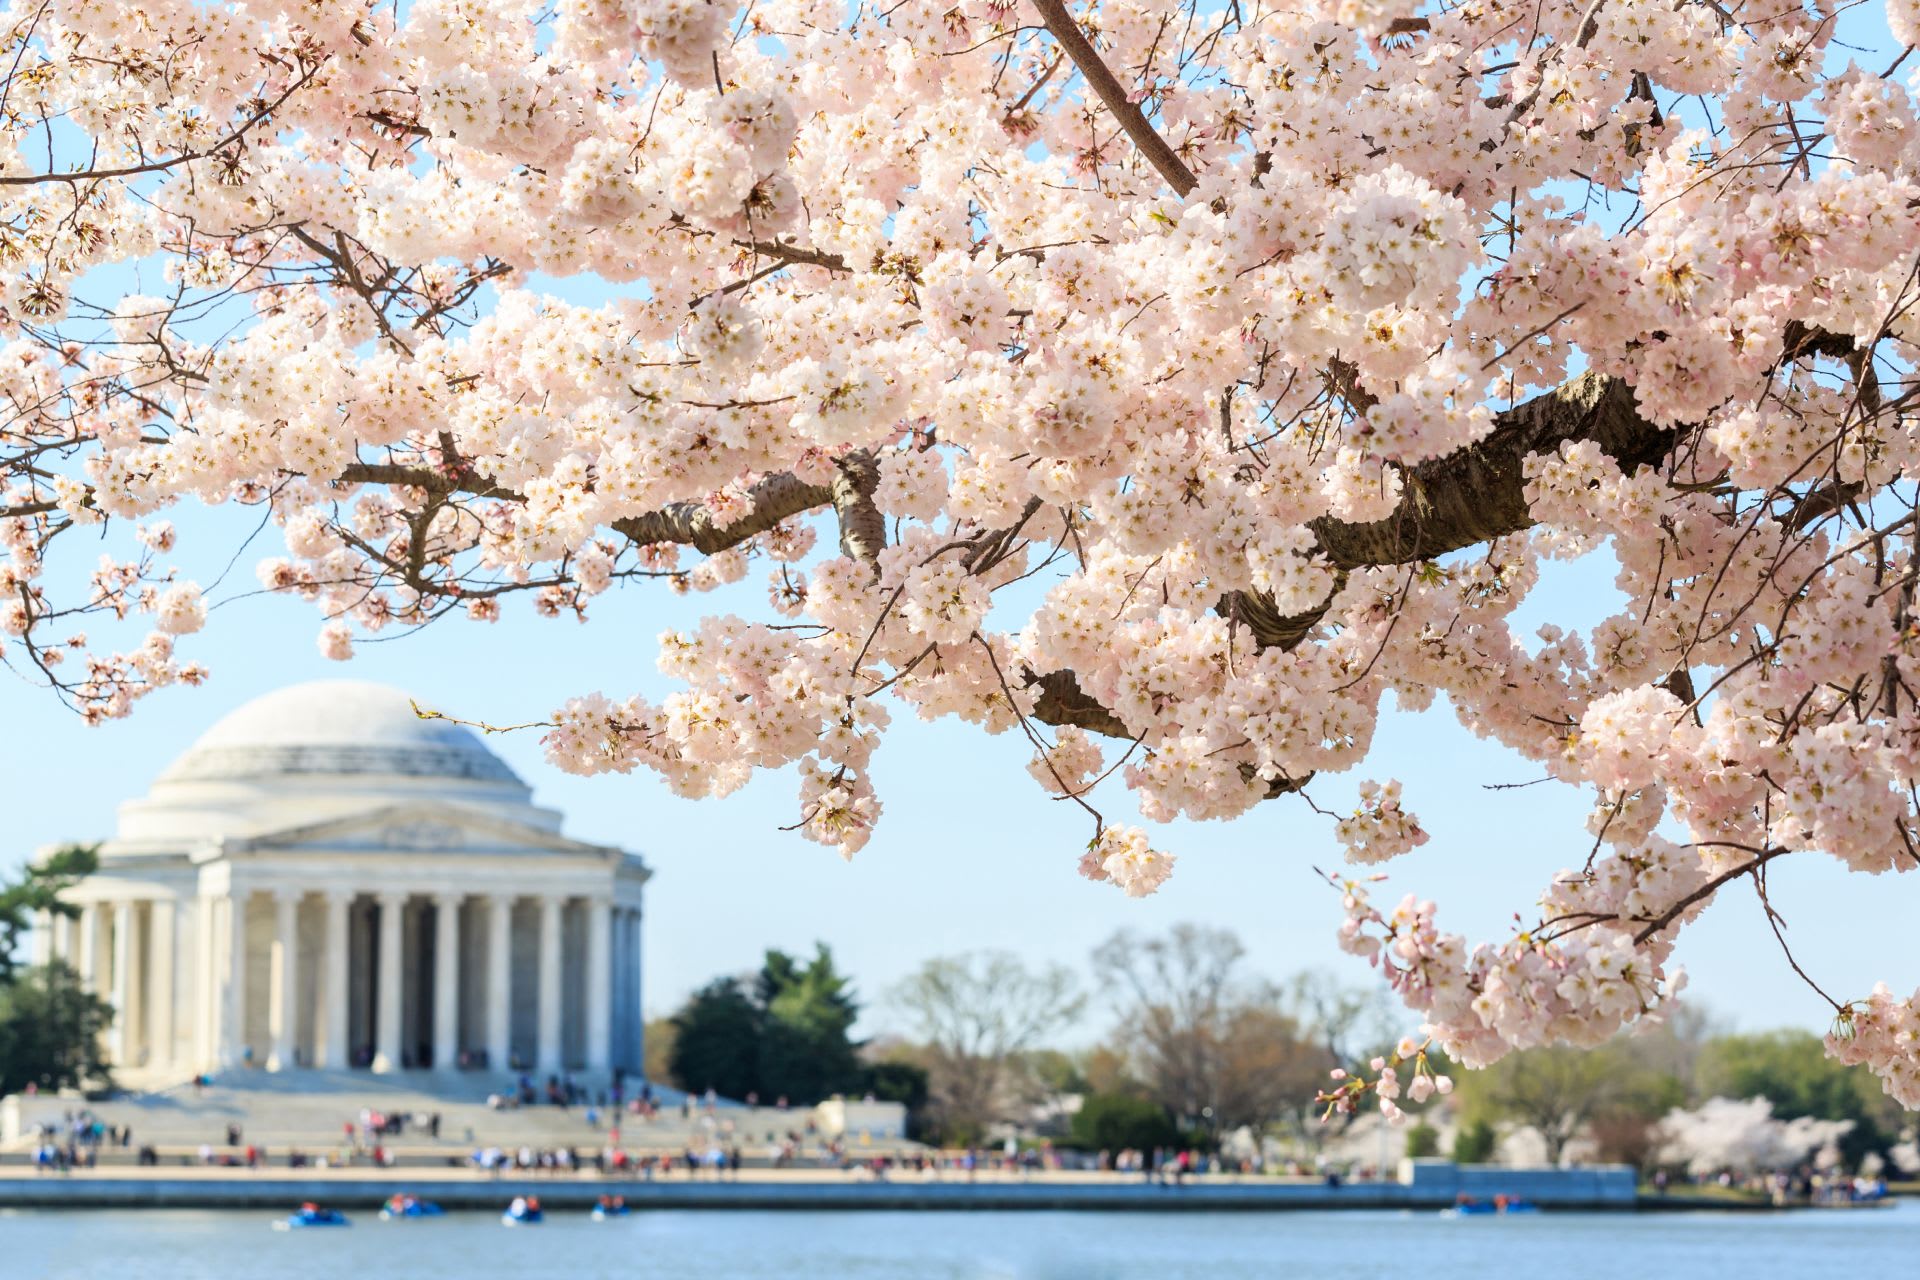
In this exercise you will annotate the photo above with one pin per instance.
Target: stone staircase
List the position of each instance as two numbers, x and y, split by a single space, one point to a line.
308 1110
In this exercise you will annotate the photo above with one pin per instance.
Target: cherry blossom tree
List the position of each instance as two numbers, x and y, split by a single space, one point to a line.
1166 383
1743 1136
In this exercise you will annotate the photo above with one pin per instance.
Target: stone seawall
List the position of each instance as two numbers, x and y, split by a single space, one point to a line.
809 1190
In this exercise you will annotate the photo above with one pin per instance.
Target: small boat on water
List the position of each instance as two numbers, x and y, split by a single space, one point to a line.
406 1206
523 1212
310 1215
610 1207
1468 1207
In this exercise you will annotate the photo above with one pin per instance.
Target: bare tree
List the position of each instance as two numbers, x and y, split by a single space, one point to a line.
977 1015
1351 1023
1216 1049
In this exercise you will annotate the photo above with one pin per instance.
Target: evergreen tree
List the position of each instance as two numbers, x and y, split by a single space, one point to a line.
38 889
50 1031
717 1041
784 1034
806 1053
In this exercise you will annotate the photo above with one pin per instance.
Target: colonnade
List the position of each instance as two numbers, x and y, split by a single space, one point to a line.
290 976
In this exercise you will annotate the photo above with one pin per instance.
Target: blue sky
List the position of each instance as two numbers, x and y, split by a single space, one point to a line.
970 854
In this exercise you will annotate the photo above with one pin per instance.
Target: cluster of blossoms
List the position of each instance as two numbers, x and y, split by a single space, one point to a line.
1123 856
1379 828
1206 449
1884 1032
1386 1083
1596 963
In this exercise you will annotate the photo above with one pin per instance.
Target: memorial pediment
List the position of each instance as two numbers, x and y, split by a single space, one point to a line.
418 828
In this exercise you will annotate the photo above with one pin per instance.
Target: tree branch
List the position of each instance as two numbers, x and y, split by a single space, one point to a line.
1478 493
1113 95
863 530
1063 702
777 497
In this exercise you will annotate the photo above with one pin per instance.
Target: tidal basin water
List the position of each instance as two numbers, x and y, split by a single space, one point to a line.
693 1245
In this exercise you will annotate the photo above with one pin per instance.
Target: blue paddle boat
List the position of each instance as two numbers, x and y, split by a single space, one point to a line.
310 1215
523 1212
406 1206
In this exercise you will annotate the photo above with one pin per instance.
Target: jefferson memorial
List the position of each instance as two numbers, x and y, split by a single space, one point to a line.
325 879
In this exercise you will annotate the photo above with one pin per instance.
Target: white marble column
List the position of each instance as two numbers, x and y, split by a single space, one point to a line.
121 980
636 1001
88 959
283 1015
42 938
162 941
500 983
335 1052
547 1057
63 937
617 1001
446 981
629 983
386 1041
233 1016
206 1014
599 997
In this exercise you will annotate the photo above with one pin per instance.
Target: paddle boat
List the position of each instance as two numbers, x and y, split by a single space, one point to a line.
406 1206
1467 1207
523 1212
610 1207
311 1215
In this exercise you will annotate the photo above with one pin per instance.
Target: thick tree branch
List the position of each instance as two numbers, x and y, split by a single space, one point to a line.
1465 498
1470 496
1113 95
778 497
1479 493
863 530
1062 701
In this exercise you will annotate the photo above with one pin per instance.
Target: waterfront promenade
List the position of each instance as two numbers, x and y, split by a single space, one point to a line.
1430 1185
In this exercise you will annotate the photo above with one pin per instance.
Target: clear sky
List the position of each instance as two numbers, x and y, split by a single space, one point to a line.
970 853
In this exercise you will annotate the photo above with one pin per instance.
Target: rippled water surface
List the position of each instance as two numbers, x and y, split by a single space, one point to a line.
692 1245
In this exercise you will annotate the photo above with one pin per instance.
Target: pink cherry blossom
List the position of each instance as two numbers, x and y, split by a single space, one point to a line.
1174 412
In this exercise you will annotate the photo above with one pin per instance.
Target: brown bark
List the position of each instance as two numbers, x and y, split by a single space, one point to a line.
1063 702
1478 493
1114 95
863 530
774 499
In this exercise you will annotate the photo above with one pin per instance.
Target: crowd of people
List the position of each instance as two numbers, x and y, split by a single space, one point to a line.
76 1140
1805 1184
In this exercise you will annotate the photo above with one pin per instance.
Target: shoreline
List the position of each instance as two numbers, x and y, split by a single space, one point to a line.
458 1190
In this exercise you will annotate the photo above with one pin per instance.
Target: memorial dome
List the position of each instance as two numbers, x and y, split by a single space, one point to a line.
316 751
335 727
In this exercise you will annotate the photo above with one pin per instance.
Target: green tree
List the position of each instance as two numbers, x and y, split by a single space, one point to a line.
1791 1070
38 889
659 1037
1115 1122
716 1043
1423 1140
806 1053
782 1033
1560 1091
50 1032
1473 1142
